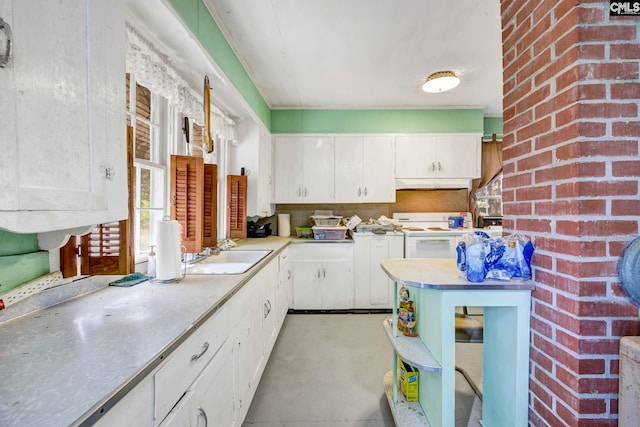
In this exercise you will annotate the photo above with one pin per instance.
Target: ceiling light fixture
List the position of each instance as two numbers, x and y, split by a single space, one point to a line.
441 81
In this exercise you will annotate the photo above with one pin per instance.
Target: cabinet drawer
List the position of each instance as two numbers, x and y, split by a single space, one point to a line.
186 363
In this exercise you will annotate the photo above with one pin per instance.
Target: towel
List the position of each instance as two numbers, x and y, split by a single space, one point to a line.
130 280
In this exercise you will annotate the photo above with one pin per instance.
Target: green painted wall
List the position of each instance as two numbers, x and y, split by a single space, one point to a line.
20 260
197 17
493 125
376 121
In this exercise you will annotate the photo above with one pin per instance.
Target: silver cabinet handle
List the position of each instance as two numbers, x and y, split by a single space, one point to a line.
6 57
205 347
324 273
298 193
439 166
318 275
288 274
359 191
203 415
365 191
265 310
306 191
433 166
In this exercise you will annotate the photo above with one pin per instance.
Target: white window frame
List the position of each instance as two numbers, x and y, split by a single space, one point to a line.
160 131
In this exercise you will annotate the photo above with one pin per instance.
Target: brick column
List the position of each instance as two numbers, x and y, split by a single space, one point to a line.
571 173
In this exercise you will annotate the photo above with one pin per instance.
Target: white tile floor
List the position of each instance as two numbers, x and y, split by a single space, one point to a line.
327 369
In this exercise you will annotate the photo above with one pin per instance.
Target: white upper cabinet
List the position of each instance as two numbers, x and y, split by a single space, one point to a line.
303 169
253 153
364 169
438 156
63 144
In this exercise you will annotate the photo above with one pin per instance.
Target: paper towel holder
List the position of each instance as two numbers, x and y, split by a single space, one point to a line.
183 250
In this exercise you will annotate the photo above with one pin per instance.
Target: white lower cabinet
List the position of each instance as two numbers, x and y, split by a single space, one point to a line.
285 280
322 276
373 288
211 378
209 401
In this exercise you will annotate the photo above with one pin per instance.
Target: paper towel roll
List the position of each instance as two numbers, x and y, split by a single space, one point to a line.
284 225
168 263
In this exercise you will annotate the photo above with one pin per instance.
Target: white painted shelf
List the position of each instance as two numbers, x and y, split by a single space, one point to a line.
411 349
405 414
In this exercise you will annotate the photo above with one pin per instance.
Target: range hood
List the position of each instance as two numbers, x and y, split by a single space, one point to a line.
432 183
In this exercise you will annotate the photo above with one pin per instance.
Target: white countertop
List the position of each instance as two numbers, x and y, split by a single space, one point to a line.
61 363
440 273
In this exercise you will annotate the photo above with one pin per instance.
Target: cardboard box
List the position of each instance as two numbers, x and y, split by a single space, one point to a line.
408 378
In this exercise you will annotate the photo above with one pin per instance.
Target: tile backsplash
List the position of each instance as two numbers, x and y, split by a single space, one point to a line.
406 201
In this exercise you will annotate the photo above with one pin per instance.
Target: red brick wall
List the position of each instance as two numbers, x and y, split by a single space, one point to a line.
571 171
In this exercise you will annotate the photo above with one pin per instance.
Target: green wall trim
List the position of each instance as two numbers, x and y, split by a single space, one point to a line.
377 121
493 125
197 17
15 244
16 270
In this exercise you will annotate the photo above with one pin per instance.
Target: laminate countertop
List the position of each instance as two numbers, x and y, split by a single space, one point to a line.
62 363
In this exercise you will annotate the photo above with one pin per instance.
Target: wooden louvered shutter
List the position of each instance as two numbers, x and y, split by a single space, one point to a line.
107 249
187 198
210 213
237 206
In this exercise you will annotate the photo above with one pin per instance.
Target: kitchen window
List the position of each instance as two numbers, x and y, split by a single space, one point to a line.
148 115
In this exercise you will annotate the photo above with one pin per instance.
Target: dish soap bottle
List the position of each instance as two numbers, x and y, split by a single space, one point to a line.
151 262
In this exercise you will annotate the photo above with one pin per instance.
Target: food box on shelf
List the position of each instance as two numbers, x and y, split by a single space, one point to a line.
329 233
408 378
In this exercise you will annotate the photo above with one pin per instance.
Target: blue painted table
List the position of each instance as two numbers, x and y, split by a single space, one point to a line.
437 290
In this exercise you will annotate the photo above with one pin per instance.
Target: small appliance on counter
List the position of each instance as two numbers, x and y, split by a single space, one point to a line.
255 230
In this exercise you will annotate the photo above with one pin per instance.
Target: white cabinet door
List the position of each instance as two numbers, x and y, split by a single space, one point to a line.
349 169
378 157
459 156
438 156
63 148
336 285
304 170
248 355
284 285
307 282
373 288
209 400
317 166
213 391
265 181
416 156
270 316
288 182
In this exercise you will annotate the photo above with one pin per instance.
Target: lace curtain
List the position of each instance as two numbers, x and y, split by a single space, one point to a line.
154 70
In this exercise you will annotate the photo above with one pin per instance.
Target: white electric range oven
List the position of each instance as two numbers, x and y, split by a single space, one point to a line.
427 234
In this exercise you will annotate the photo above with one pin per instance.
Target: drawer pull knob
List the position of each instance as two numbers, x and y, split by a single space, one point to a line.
203 415
205 347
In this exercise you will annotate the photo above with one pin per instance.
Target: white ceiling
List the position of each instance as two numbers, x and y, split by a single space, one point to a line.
366 54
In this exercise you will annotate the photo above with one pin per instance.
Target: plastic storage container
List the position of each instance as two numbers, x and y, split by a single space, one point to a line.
304 232
329 233
326 220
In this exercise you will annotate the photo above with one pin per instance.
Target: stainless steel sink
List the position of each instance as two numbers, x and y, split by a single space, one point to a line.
228 262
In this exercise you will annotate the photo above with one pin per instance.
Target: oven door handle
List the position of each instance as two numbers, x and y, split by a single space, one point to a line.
434 240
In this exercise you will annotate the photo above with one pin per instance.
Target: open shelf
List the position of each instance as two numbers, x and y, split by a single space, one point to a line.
405 414
411 349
